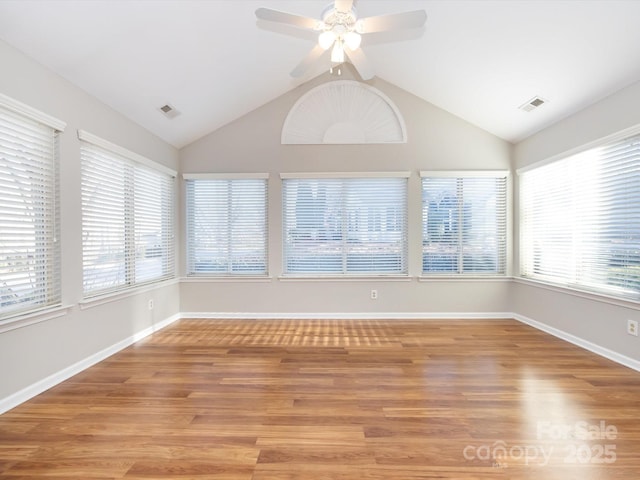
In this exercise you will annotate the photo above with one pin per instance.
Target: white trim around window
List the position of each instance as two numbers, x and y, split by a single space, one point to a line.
128 218
345 224
224 176
32 113
580 219
465 173
29 209
285 176
614 137
227 225
123 152
464 223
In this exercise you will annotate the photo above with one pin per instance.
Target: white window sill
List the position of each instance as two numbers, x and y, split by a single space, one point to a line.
225 278
464 277
345 278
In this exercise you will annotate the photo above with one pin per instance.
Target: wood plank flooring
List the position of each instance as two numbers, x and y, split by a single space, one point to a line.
334 400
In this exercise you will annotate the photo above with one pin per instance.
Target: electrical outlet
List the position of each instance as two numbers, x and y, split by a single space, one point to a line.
632 327
150 304
374 294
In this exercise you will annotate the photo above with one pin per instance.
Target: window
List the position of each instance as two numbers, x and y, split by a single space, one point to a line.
226 225
580 220
464 223
29 217
345 226
127 218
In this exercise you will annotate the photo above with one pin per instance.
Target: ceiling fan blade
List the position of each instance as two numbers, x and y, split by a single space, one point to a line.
394 21
360 61
343 5
288 18
306 62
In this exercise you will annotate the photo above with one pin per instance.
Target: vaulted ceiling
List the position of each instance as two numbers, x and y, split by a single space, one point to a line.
213 62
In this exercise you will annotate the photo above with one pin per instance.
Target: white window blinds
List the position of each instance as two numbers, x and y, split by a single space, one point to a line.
345 226
464 223
580 220
226 225
127 221
29 214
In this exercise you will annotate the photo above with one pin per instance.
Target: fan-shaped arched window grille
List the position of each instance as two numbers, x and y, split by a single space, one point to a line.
343 112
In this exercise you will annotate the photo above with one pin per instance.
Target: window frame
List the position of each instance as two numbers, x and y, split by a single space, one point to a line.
191 272
574 285
133 165
502 249
344 274
47 268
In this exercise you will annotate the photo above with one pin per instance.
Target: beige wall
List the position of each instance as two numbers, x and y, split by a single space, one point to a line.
436 140
31 354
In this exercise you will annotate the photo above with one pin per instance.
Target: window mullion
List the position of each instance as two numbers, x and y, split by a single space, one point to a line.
130 226
346 219
229 239
167 233
460 197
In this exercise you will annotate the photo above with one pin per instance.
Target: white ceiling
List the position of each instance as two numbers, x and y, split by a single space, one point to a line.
213 62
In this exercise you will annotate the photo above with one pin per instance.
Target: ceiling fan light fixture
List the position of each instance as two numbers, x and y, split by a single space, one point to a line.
337 54
326 39
352 40
338 28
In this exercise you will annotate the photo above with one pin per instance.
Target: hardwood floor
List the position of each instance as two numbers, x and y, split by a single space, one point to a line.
334 400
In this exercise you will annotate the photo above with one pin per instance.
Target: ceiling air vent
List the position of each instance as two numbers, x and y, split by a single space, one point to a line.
169 111
532 104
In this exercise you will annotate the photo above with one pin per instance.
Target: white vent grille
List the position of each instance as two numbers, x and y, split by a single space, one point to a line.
532 104
169 111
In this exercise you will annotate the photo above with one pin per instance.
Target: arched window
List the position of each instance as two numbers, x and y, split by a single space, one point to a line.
343 112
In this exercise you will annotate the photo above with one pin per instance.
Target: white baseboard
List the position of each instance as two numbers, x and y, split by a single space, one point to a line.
31 391
349 316
580 342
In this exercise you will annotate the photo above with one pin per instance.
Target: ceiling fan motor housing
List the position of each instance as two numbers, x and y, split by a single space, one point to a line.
339 22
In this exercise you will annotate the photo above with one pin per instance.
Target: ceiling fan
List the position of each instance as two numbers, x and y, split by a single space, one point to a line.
340 29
